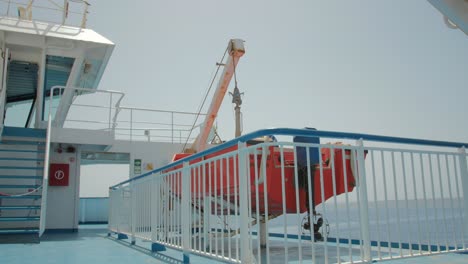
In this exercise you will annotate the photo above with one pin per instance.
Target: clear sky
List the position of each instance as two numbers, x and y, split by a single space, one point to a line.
383 67
377 67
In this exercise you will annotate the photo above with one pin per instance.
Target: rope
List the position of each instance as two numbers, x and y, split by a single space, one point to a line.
204 100
21 194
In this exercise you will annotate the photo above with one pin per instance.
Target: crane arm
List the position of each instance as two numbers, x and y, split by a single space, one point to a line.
236 50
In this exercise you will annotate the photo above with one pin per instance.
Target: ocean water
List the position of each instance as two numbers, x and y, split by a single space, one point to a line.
438 223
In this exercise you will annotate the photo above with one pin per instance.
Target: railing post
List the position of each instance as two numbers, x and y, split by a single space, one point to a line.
206 218
3 86
133 212
40 94
172 127
246 247
120 199
131 124
154 209
45 178
464 181
110 213
363 200
110 113
186 212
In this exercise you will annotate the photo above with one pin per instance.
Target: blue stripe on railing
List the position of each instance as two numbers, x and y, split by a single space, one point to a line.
304 133
19 186
20 150
21 159
24 132
20 177
20 168
20 207
35 197
19 231
23 219
395 245
21 143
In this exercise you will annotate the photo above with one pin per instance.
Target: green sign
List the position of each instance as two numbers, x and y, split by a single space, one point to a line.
137 166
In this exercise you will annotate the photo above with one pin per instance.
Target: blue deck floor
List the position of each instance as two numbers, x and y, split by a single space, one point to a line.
91 245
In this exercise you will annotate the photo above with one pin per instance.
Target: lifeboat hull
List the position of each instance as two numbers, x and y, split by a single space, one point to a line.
219 181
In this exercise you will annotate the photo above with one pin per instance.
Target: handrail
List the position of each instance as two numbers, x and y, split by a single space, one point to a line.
115 111
85 89
28 8
45 179
299 132
3 95
88 90
153 129
155 123
172 114
158 110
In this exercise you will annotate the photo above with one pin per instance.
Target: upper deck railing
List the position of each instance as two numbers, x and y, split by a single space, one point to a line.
146 124
45 178
102 104
93 109
67 13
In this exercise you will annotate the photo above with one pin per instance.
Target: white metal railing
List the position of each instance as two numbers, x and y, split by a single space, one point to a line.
145 124
245 202
74 111
125 123
45 178
3 79
70 13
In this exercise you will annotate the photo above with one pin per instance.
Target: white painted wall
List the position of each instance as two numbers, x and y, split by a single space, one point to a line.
156 154
95 179
63 201
81 136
